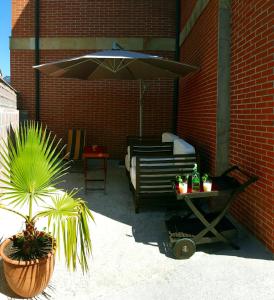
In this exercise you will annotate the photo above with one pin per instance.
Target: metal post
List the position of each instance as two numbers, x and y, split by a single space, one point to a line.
141 107
37 60
177 58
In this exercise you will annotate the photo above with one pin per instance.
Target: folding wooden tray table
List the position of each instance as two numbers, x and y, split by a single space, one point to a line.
200 227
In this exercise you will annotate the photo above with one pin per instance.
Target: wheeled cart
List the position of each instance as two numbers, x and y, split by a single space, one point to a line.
200 227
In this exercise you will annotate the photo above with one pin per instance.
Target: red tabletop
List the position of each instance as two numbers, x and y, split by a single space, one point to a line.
95 152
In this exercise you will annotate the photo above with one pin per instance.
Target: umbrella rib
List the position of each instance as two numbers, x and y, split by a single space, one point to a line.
114 68
129 70
168 73
70 66
99 63
122 66
113 65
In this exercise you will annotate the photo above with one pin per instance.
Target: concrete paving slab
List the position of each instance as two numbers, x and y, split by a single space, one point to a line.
132 258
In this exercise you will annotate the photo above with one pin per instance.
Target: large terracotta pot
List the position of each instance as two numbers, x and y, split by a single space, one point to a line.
27 278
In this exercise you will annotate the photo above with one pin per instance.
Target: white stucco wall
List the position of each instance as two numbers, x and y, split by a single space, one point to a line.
9 115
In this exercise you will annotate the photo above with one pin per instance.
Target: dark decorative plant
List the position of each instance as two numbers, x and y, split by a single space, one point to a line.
31 244
181 178
205 177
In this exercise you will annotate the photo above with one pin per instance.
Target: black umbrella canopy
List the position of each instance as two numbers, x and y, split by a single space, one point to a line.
117 64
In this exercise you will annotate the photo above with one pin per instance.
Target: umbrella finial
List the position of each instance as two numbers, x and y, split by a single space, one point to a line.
116 46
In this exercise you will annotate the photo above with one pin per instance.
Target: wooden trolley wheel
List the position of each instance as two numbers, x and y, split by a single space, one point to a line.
184 248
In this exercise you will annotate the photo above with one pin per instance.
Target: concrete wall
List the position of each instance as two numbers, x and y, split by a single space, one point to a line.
9 115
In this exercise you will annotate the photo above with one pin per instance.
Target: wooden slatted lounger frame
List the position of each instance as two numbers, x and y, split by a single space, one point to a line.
154 176
151 149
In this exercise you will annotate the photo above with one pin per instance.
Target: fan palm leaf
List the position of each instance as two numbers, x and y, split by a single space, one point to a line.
68 219
33 164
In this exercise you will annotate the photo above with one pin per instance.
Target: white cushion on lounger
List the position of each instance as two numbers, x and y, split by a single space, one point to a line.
133 176
127 162
182 147
168 137
133 161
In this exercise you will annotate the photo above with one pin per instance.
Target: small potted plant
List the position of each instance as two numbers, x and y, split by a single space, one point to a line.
33 165
181 184
207 183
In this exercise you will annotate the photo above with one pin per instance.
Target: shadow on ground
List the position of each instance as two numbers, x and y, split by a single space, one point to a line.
148 226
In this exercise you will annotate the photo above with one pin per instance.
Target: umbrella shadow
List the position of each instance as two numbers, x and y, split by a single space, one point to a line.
148 227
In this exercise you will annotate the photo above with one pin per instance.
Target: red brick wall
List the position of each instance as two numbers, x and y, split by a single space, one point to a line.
95 18
22 18
108 18
108 110
252 104
23 79
198 92
252 112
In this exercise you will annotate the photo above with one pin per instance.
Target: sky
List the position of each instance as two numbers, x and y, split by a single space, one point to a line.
5 32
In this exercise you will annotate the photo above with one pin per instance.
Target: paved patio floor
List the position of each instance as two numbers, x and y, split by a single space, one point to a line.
132 259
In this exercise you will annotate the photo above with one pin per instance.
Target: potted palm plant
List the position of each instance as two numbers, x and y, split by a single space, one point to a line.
33 166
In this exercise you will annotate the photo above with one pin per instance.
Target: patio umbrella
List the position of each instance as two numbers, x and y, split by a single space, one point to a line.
118 64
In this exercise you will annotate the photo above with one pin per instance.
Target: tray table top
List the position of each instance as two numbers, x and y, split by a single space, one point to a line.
220 185
95 152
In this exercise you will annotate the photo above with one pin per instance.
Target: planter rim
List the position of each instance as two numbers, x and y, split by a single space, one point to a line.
23 262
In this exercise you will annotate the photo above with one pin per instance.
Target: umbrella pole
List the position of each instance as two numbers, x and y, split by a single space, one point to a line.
141 108
141 105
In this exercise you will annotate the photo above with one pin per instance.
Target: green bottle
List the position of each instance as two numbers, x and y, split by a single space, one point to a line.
195 179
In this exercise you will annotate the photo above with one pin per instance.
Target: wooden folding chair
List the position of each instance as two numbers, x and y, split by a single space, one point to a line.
75 144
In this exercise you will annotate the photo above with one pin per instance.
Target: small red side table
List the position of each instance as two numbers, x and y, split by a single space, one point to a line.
95 152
